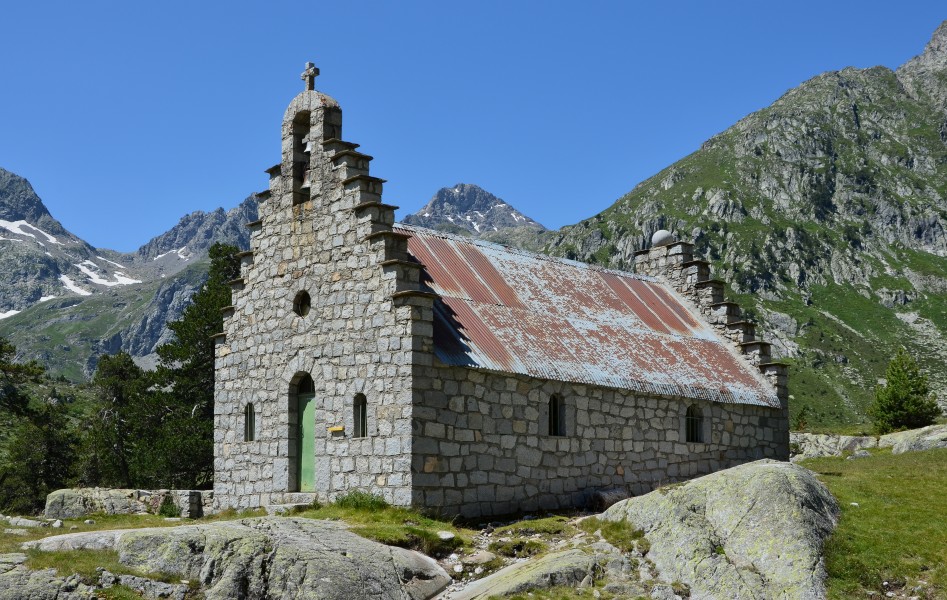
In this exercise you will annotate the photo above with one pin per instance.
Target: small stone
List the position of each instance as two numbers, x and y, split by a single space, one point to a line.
89 521
73 527
445 535
478 570
889 595
458 568
452 557
172 518
478 558
57 524
856 504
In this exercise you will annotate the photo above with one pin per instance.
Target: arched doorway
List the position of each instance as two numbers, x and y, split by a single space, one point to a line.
306 434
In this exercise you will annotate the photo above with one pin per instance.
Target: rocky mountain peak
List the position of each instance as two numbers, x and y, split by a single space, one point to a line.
19 202
924 75
469 209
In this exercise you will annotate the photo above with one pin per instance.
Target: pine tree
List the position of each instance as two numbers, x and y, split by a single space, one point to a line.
13 376
186 374
905 401
124 425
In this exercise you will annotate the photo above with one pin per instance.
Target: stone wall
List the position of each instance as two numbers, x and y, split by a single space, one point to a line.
482 445
71 503
322 230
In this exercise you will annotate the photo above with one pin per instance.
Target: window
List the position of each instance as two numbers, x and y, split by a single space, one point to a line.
249 423
694 424
302 303
360 416
557 421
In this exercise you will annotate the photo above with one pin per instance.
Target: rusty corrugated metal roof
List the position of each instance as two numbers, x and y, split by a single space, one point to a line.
514 311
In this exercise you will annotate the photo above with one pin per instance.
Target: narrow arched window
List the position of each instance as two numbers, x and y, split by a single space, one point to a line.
249 423
694 424
360 416
557 420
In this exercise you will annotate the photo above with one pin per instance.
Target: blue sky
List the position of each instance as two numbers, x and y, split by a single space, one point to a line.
125 116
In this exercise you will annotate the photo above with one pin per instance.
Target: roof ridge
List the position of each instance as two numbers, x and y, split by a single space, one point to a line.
512 249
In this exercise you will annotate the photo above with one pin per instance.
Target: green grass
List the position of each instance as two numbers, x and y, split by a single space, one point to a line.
559 593
557 525
620 534
518 547
898 531
372 518
86 562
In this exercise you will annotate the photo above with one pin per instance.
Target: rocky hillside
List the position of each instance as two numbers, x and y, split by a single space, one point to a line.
64 302
470 210
826 213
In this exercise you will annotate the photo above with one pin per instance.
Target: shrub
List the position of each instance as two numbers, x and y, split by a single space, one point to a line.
361 500
905 401
169 508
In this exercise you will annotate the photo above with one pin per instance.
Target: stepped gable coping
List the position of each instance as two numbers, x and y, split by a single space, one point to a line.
754 343
696 261
256 223
403 263
332 141
375 204
707 282
244 253
264 195
724 303
237 281
419 293
378 234
351 152
274 170
218 336
742 323
370 178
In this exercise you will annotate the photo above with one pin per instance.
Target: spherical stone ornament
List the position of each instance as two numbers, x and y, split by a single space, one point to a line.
662 237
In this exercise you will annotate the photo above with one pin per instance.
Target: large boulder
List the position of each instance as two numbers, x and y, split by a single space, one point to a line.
753 531
270 557
913 440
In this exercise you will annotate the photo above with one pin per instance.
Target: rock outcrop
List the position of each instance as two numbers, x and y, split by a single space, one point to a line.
269 557
813 445
17 582
753 531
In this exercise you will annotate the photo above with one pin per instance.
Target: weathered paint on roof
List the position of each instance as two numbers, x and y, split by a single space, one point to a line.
513 311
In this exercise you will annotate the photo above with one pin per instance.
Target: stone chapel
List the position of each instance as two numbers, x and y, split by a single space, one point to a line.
461 376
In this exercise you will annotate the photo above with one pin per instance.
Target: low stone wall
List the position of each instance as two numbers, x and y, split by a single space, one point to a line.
78 502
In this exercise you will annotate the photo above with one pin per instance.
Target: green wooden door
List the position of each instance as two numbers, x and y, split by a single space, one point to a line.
307 442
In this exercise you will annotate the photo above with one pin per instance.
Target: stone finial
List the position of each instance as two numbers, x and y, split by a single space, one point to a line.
662 237
309 75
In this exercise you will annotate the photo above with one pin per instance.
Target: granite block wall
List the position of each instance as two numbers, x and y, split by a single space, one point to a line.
482 445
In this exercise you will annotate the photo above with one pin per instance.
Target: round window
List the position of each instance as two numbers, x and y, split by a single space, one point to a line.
302 304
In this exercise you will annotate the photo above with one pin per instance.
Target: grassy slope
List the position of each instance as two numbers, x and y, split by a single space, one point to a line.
898 530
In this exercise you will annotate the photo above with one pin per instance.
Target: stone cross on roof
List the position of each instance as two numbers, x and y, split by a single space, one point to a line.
309 75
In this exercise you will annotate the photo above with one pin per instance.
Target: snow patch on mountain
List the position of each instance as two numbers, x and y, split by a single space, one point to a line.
17 228
70 285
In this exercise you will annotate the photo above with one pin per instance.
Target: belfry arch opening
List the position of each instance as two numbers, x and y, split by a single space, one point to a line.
302 153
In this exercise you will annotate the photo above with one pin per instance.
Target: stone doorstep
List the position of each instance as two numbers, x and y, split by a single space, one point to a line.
282 509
